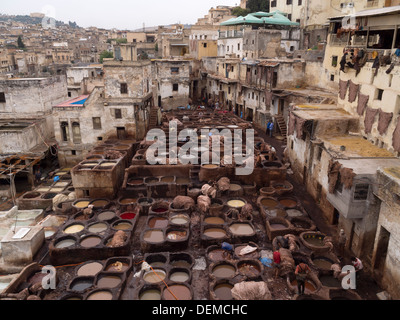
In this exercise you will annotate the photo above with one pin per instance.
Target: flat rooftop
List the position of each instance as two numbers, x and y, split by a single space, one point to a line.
322 112
370 166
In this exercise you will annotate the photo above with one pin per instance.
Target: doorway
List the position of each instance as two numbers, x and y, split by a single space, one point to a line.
121 133
381 250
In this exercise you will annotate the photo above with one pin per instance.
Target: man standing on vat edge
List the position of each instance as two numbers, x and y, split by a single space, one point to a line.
302 270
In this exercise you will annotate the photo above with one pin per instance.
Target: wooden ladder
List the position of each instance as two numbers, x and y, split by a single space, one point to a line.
153 121
282 127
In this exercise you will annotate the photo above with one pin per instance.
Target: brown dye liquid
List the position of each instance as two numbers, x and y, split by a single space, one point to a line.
179 291
100 203
224 271
288 203
241 229
315 241
151 294
215 233
100 295
158 223
214 220
182 180
108 282
135 182
219 255
155 236
168 179
90 242
223 291
123 226
249 269
117 267
128 201
270 203
181 264
309 287
179 276
278 226
322 264
90 269
210 166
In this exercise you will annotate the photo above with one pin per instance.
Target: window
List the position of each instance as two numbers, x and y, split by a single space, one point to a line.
118 114
289 1
332 77
300 2
289 16
124 88
361 192
174 70
334 61
2 97
73 152
379 94
175 87
273 3
64 131
76 132
69 94
96 123
204 45
238 46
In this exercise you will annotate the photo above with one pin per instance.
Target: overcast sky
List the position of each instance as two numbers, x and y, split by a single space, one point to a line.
120 14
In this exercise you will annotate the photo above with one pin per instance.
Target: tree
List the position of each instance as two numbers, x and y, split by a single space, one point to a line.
258 5
238 11
21 44
105 55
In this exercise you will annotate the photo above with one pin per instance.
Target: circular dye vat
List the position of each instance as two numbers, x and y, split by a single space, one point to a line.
269 203
106 216
214 220
249 269
315 240
124 226
75 228
323 263
65 243
100 295
223 291
90 269
128 216
177 235
90 242
177 291
235 187
224 271
150 295
100 203
128 201
98 227
241 229
154 236
82 204
179 276
236 203
309 287
215 233
117 266
253 254
154 276
288 203
159 209
109 282
158 223
181 264
135 182
81 284
180 219
219 255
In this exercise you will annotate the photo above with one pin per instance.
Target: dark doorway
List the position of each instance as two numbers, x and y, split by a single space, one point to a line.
381 250
121 133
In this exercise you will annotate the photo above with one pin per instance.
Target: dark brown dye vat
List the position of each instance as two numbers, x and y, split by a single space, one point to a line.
80 284
249 268
219 255
90 242
158 223
223 291
108 281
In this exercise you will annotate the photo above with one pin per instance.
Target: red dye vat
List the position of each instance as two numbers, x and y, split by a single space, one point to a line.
160 210
128 216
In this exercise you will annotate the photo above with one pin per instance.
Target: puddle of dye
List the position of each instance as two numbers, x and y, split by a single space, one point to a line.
150 295
323 264
154 236
179 276
82 204
215 233
278 226
100 295
224 271
242 229
180 219
123 226
128 216
117 266
90 269
214 220
90 242
176 235
223 291
128 201
65 243
81 285
236 203
181 292
155 276
98 227
270 203
309 287
158 223
100 203
249 269
104 216
288 203
74 229
108 282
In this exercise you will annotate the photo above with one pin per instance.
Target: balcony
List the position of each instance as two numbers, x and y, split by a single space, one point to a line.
230 34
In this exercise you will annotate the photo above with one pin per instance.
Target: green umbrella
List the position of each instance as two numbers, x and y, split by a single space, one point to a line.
279 19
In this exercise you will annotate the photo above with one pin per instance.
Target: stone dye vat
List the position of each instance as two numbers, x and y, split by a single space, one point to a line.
288 202
216 254
277 227
242 251
282 188
302 224
242 230
222 270
314 241
150 293
181 220
221 290
177 291
145 204
251 269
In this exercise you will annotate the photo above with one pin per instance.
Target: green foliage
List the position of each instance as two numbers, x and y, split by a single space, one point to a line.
238 11
21 44
258 5
105 55
119 40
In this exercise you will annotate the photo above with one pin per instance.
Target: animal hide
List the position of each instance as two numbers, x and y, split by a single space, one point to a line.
362 103
343 89
384 120
346 177
369 119
353 91
396 137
